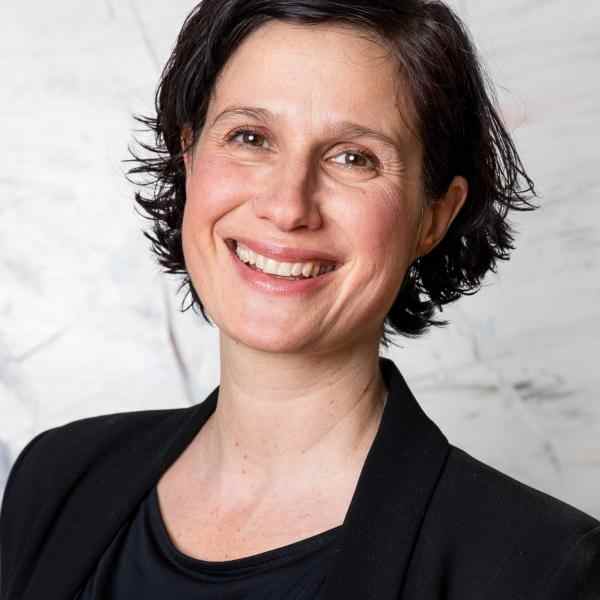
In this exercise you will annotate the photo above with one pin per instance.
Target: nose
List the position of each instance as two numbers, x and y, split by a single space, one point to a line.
290 199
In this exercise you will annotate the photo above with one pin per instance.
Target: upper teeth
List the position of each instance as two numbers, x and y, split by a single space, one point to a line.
274 267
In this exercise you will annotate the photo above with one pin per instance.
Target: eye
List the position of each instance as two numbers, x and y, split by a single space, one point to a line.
249 136
358 163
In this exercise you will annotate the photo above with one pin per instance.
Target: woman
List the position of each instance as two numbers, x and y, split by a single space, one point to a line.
327 173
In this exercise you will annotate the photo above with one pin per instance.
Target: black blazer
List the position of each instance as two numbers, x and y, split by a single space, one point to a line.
427 521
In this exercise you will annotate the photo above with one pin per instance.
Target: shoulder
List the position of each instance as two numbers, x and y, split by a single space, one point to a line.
90 434
487 489
513 532
72 448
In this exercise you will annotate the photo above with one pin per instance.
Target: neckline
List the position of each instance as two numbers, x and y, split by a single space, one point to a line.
273 557
281 554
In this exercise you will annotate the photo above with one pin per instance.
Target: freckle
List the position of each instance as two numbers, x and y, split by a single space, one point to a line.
243 471
237 443
245 456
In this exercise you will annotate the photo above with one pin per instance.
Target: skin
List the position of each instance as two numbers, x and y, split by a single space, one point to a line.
301 395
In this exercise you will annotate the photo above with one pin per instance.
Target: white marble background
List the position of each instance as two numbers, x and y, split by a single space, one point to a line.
88 325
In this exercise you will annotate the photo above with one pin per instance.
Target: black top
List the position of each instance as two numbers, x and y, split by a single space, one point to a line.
143 562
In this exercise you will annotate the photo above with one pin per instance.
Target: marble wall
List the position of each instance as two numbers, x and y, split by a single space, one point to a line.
89 325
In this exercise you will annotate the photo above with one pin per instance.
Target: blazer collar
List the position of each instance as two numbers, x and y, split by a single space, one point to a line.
379 532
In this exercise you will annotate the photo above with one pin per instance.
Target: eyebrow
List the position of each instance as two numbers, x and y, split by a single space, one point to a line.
345 128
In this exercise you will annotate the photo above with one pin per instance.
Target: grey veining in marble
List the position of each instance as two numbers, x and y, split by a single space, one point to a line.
88 325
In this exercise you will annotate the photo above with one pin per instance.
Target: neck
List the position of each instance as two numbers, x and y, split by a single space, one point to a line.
279 414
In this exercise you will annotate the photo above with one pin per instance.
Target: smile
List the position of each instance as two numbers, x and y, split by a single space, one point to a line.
269 275
286 270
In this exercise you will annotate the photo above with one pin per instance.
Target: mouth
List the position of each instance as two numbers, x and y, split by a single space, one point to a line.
288 271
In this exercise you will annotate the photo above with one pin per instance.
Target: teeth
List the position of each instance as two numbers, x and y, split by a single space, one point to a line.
271 266
307 269
283 269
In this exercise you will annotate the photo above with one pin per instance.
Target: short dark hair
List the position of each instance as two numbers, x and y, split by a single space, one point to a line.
456 119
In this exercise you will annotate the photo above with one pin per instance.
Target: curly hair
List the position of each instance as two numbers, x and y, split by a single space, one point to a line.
456 120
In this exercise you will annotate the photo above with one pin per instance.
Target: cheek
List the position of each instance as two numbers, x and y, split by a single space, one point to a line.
383 226
212 190
210 187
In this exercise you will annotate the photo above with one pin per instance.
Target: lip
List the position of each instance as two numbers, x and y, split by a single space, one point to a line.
271 284
285 253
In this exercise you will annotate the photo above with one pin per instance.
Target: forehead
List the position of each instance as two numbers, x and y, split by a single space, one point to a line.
315 75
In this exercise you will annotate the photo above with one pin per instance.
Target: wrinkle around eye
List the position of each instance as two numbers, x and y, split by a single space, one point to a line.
396 168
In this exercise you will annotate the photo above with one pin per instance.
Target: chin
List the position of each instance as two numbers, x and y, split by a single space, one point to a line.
272 337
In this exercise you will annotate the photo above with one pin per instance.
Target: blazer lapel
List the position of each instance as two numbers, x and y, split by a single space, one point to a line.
103 501
385 514
380 528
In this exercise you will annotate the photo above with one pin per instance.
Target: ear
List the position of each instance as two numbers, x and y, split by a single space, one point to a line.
437 218
185 141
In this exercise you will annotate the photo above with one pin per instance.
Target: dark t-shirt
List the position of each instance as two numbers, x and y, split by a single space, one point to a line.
142 562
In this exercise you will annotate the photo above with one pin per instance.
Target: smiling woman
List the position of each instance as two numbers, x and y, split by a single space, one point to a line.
291 187
325 174
418 126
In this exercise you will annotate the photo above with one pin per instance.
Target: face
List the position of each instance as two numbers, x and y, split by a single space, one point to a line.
287 174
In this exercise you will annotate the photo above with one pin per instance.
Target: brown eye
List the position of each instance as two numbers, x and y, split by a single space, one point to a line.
357 159
249 137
